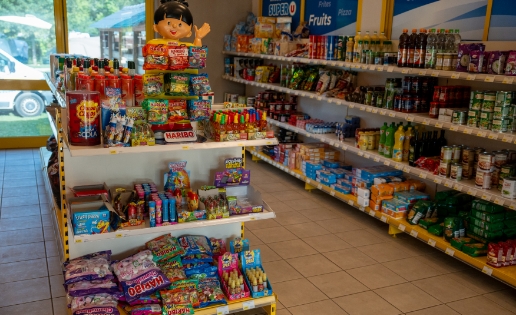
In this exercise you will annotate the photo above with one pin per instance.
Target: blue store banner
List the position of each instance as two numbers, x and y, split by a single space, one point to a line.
331 17
502 25
468 16
276 8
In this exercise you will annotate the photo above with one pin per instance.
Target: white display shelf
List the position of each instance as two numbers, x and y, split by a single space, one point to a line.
421 118
61 100
466 186
482 77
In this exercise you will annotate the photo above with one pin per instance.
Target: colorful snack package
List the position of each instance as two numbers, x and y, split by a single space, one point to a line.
150 309
174 262
164 247
207 272
175 274
199 109
148 299
238 245
153 85
155 57
197 57
200 84
177 84
210 292
182 292
195 244
218 246
92 287
323 83
297 79
156 110
102 303
196 258
178 57
178 178
169 308
199 268
177 110
87 269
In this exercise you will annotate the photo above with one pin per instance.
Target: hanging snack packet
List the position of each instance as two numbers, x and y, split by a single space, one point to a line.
199 109
173 269
177 84
297 78
153 85
178 57
200 84
324 82
238 245
197 57
210 292
177 110
310 80
156 110
195 244
155 57
164 248
177 178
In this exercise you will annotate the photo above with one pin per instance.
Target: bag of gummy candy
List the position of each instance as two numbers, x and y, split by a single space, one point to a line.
164 247
87 268
210 292
173 269
92 287
94 304
204 269
182 292
196 258
169 308
238 245
150 309
197 57
195 244
177 84
153 85
148 299
200 84
177 177
156 110
218 247
139 275
199 109
155 57
177 110
178 57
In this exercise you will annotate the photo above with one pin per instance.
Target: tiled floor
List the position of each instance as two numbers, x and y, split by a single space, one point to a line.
321 256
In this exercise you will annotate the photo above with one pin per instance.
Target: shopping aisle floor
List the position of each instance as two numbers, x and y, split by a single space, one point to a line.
321 256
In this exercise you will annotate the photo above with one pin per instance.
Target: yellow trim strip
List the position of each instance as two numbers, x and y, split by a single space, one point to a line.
302 11
359 15
61 26
25 85
149 20
383 17
23 142
389 19
260 8
488 20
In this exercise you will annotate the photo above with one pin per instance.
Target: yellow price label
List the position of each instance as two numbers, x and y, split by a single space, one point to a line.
112 152
392 115
119 235
489 78
454 128
431 242
422 175
471 77
455 75
405 71
508 80
185 147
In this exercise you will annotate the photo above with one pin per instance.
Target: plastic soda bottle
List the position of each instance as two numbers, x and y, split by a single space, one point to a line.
403 49
389 141
409 134
349 50
397 149
381 145
411 48
431 50
366 41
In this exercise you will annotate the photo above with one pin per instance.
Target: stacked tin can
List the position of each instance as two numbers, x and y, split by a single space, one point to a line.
491 110
503 112
451 164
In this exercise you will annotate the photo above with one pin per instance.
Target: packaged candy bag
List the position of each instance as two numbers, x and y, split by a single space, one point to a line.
92 287
238 245
199 109
94 304
153 85
201 268
196 258
155 57
150 309
164 247
169 308
200 84
177 110
87 269
218 247
178 177
173 269
178 57
139 275
195 244
210 292
156 110
182 292
197 57
177 84
148 299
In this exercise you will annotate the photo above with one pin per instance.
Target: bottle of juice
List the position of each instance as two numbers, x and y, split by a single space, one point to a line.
374 42
358 36
350 56
397 149
381 145
414 149
389 141
411 48
441 41
457 40
450 42
409 134
382 38
357 52
419 53
403 49
431 50
366 41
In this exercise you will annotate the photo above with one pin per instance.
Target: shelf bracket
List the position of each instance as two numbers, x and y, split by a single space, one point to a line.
393 231
309 187
271 309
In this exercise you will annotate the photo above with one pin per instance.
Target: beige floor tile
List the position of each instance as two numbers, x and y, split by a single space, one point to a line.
267 197
267 254
414 245
366 303
385 252
412 268
337 284
20 223
56 286
477 281
308 229
504 298
319 214
19 211
313 265
278 207
273 235
376 276
51 248
443 263
54 266
279 305
321 307
407 297
291 217
478 305
274 187
18 237
287 195
360 238
435 310
23 270
43 307
280 271
261 224
326 243
340 225
24 291
298 292
292 249
349 258
300 204
445 289
60 307
22 252
283 311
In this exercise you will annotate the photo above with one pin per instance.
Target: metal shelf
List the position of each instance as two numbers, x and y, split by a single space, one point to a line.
420 118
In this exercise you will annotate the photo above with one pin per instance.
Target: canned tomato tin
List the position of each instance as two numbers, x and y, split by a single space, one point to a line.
446 153
478 150
489 101
444 169
468 155
500 158
495 176
467 170
437 93
287 106
459 117
444 95
84 127
278 106
501 125
456 171
512 155
503 98
456 153
509 188
485 160
477 97
473 118
483 179
503 111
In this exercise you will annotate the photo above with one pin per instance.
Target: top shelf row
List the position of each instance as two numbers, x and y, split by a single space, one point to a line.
481 77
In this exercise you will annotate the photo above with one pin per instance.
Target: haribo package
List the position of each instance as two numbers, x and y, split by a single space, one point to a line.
234 174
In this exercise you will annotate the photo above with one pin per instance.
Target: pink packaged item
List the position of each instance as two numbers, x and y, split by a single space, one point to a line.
510 66
92 287
88 268
228 269
102 303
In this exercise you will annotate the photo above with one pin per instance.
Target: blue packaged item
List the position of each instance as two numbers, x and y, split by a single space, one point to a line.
238 245
200 84
195 244
197 57
199 109
339 173
152 213
210 292
251 263
411 196
202 268
331 164
165 210
227 42
172 210
341 189
196 258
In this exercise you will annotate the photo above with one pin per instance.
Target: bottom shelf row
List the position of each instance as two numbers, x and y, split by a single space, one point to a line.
400 224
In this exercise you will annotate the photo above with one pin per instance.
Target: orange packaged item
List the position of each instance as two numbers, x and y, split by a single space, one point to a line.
379 199
416 185
375 206
243 43
400 186
177 110
178 57
382 190
155 57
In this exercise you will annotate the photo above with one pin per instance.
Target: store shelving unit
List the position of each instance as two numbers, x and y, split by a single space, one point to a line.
400 225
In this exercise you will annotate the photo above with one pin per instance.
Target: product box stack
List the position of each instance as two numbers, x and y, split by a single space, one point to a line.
286 136
489 222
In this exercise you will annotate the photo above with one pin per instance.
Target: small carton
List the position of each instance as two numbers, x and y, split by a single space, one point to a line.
90 215
228 263
252 260
244 199
233 175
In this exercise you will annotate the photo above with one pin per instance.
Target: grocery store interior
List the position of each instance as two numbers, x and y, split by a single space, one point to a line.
258 157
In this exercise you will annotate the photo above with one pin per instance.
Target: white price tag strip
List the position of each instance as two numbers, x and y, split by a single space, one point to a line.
486 197
487 270
499 201
508 80
332 193
383 219
489 78
454 127
361 208
414 233
386 163
371 213
471 77
450 251
455 75
390 69
382 112
438 181
426 122
402 227
367 156
422 72
351 203
392 115
422 175
431 242
405 71
248 305
435 73
319 186
223 310
376 159
374 111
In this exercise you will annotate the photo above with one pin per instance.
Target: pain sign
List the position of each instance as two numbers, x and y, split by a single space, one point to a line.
278 8
331 17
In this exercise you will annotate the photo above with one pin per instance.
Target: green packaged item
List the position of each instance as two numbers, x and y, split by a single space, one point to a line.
451 225
458 242
510 224
509 233
310 80
489 217
475 249
488 226
477 237
419 211
177 84
486 206
488 235
443 195
437 229
510 215
427 222
297 78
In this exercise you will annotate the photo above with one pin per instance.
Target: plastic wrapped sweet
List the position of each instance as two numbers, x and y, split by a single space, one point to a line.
218 246
200 84
87 268
164 247
92 287
150 309
195 244
134 266
94 304
182 292
197 258
210 292
154 298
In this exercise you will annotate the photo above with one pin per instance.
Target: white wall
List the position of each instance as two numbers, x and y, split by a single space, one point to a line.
371 16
